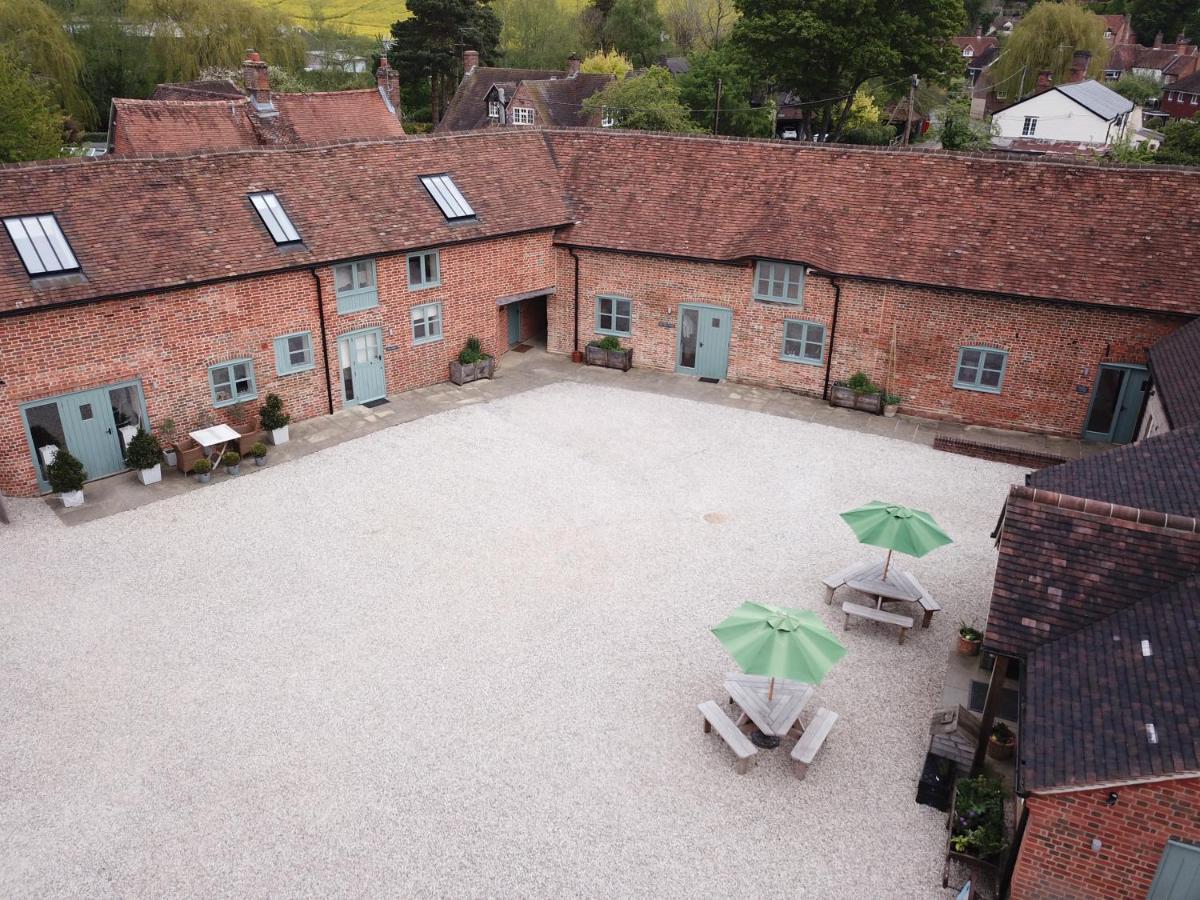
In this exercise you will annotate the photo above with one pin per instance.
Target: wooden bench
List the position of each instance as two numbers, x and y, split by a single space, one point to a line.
927 602
833 582
738 742
811 741
876 615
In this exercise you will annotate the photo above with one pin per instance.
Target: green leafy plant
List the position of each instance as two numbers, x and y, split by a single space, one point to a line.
144 451
66 473
608 343
472 352
166 429
231 458
891 399
861 383
201 467
969 632
272 415
1002 734
258 450
978 827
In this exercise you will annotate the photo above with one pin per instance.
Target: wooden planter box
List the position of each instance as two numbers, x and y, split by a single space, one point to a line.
840 395
977 865
609 359
464 374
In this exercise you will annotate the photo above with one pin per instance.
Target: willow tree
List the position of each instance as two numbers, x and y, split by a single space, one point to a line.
36 37
1047 40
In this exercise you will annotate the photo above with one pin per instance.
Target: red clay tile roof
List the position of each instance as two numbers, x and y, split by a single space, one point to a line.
899 216
977 44
560 101
337 116
467 109
1066 563
223 89
138 225
1089 697
1175 365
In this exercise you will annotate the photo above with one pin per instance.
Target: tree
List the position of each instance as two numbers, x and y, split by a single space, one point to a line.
1171 17
606 63
696 25
1046 40
430 43
31 126
978 13
537 34
1140 89
1181 143
698 92
636 29
958 130
650 102
816 50
36 36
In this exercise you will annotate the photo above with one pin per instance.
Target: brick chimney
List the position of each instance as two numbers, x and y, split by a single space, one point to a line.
388 81
573 63
978 31
1158 41
1079 66
1045 81
256 81
470 61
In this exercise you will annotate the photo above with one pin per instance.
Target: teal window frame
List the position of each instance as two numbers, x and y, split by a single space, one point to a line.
613 315
804 340
772 280
420 316
356 299
419 258
980 367
232 380
284 353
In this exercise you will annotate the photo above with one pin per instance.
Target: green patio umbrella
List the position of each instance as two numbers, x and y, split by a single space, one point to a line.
779 643
894 527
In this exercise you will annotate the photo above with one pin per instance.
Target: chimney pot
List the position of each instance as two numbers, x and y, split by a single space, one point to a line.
1079 65
470 61
1158 41
256 80
573 63
978 31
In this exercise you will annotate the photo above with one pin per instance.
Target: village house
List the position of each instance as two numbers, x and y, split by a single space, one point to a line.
217 115
490 97
978 53
337 275
1181 100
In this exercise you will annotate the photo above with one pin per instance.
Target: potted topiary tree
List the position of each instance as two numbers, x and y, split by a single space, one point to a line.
259 452
66 476
144 453
233 462
202 469
970 639
472 364
166 431
609 353
275 420
1002 742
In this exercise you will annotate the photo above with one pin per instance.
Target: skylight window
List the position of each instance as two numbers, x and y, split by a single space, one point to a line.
271 211
41 245
448 197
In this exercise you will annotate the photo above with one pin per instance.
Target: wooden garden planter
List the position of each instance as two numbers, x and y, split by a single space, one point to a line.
609 359
840 395
464 374
978 865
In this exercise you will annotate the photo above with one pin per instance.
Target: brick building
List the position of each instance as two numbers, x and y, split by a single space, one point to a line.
133 290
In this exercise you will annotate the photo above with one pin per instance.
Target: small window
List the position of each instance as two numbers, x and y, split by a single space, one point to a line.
779 283
980 369
522 115
607 118
448 197
41 245
1029 128
424 270
803 342
494 109
614 315
427 323
355 286
232 382
273 216
293 353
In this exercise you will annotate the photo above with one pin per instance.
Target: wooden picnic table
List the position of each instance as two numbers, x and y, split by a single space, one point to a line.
774 717
897 586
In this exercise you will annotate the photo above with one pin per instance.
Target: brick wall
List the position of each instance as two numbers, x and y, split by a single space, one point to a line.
1054 349
1056 860
168 341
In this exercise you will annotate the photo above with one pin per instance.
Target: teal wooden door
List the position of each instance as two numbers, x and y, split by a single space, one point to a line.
514 324
1117 401
1178 876
360 355
703 348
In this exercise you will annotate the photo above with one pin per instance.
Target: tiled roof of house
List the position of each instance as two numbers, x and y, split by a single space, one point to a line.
1117 700
560 101
889 215
329 116
139 225
1175 364
1189 85
222 89
982 60
467 109
1092 95
1160 473
977 44
1066 563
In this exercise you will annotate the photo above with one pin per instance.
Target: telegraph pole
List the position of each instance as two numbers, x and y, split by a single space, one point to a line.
717 110
913 81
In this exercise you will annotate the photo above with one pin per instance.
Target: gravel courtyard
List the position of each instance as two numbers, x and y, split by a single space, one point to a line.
462 657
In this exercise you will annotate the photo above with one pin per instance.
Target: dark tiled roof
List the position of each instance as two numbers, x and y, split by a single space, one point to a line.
1089 696
560 102
167 222
868 212
1065 563
467 109
1175 364
983 60
1161 473
1189 85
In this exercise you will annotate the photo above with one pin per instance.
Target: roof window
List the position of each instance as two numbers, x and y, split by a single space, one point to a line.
448 197
271 211
41 245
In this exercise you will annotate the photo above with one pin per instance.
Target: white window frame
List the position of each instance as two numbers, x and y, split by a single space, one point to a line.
522 115
1029 126
494 109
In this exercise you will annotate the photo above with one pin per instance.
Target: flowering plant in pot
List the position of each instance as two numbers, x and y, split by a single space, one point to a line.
144 453
202 469
233 462
275 420
1002 742
472 363
66 476
259 452
970 639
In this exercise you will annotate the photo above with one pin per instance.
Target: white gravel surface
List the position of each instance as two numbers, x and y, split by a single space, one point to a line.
462 657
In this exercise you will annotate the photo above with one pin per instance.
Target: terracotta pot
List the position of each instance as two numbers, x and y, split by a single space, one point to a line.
997 750
968 648
576 356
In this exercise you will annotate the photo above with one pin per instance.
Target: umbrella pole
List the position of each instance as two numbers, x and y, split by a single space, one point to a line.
771 691
887 562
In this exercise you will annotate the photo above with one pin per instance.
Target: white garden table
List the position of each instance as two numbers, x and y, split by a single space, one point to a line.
211 437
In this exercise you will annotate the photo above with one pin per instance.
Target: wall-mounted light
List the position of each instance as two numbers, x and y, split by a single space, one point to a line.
1096 845
1111 799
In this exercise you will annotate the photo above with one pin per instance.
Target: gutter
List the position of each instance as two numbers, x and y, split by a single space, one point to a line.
324 339
837 303
575 345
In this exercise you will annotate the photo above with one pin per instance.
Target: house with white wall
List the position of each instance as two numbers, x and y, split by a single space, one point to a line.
1085 113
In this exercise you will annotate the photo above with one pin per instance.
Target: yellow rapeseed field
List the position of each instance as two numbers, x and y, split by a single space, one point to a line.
370 18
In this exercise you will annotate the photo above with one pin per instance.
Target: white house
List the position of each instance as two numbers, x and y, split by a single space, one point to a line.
1084 113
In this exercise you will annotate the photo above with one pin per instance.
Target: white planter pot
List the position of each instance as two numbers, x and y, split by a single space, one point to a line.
279 436
890 410
72 498
169 456
150 476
